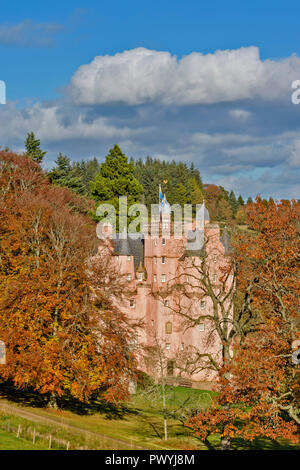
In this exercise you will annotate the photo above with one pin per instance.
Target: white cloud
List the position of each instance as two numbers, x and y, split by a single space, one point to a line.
239 114
141 75
51 125
28 33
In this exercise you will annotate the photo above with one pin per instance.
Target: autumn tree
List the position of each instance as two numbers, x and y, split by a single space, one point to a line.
59 295
259 385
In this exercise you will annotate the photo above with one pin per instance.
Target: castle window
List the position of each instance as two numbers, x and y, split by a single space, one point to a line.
202 304
163 278
201 326
132 303
215 278
155 241
166 303
154 278
163 260
170 368
163 241
215 258
168 346
140 277
128 277
155 260
165 224
168 328
182 346
128 257
152 322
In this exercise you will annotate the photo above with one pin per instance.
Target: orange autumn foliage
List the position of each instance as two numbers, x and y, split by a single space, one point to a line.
61 326
259 388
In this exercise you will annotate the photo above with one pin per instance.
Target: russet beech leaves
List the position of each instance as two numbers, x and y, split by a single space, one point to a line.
62 328
259 387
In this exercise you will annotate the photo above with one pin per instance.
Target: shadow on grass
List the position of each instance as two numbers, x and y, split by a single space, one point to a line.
262 444
30 397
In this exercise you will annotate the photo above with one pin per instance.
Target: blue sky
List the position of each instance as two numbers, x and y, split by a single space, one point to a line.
208 82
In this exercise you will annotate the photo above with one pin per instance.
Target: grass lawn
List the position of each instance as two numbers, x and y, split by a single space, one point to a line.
9 441
139 422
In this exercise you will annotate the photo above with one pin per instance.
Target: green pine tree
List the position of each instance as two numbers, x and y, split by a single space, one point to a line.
33 149
67 175
116 178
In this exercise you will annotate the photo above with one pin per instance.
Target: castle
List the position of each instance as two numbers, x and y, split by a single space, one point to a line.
150 266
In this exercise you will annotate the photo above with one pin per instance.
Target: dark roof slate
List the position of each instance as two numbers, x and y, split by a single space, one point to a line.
133 245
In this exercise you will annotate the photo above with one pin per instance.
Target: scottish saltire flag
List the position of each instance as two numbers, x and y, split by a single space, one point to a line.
160 193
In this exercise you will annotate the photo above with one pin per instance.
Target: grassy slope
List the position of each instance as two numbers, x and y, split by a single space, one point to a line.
9 441
141 422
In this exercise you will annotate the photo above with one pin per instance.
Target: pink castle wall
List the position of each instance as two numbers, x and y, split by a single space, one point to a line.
152 310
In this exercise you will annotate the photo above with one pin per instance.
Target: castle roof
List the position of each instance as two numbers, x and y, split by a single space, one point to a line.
195 244
132 245
225 240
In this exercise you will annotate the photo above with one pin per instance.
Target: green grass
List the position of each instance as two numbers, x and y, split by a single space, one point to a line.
9 441
138 422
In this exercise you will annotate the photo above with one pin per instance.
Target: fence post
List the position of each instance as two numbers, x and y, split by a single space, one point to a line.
68 445
19 430
50 441
33 438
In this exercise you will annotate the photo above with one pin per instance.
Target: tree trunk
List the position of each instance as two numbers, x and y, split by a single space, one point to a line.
225 443
52 403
